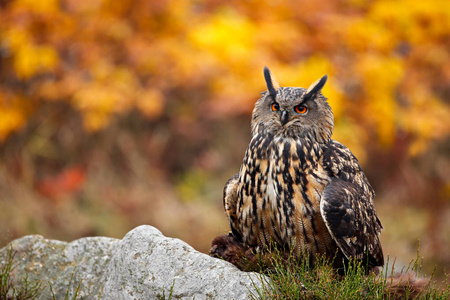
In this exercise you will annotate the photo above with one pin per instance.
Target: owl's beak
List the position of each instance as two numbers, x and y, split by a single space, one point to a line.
284 117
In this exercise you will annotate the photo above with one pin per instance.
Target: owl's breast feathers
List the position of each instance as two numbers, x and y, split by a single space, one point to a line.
308 196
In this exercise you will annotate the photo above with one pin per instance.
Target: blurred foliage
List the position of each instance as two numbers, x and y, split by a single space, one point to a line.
388 59
115 113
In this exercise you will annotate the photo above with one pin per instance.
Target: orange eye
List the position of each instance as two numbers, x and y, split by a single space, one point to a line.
275 106
301 109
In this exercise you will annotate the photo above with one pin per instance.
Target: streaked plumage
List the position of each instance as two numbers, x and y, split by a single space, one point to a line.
299 188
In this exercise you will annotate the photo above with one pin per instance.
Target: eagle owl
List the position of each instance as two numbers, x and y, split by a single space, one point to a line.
297 187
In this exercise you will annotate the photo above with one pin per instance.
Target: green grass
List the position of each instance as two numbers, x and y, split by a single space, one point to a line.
163 296
8 290
291 279
25 290
66 296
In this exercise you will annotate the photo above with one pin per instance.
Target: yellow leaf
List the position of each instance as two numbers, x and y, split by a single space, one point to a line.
150 103
12 116
41 6
226 35
16 38
95 120
381 76
30 60
97 103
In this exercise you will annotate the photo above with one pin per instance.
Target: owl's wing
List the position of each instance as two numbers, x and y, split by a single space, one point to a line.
230 202
347 208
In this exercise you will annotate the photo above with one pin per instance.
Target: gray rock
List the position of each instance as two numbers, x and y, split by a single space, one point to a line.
73 268
143 265
149 265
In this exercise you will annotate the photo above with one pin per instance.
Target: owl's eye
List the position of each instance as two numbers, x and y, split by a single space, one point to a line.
301 109
275 106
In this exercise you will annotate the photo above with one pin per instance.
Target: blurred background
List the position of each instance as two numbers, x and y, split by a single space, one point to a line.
115 114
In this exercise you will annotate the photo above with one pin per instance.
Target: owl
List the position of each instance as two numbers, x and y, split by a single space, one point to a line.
297 188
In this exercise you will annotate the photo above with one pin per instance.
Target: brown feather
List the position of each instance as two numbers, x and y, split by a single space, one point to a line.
297 187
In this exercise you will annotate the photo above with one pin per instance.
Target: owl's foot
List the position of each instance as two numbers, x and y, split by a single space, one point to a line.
249 259
228 248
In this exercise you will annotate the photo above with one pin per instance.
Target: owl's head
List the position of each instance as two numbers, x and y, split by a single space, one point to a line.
293 112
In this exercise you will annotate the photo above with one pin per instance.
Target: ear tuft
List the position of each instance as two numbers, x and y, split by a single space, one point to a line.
316 87
271 82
